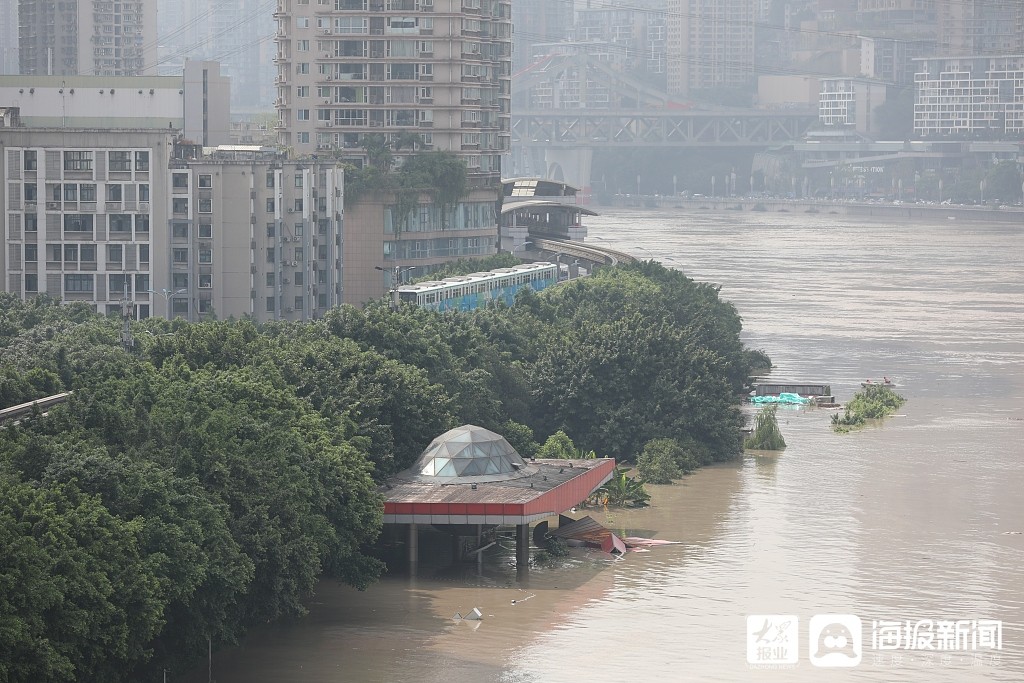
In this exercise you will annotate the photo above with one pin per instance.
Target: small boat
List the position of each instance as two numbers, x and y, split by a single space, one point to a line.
884 382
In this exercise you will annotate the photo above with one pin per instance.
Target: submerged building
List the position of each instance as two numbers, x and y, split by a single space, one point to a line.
470 479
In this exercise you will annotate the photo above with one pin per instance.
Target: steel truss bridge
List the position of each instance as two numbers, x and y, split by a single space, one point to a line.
667 128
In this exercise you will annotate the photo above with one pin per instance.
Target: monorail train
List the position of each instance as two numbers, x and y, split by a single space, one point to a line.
467 292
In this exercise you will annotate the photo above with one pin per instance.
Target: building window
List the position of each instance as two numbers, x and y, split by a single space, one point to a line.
70 253
87 192
119 161
31 282
180 256
302 138
118 283
300 279
30 160
179 205
205 306
302 114
141 223
78 161
270 304
179 181
144 192
142 282
206 180
114 252
298 204
179 231
206 255
271 229
113 193
300 254
270 178
270 205
205 205
299 301
76 222
31 253
302 68
302 22
270 279
205 281
179 305
206 230
302 45
300 228
270 254
70 192
179 281
78 283
142 161
31 192
87 253
120 222
144 253
302 91
31 222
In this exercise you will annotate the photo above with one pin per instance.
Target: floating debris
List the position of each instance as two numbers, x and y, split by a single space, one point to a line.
473 615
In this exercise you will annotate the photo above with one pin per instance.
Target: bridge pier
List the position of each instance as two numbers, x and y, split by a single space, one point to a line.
572 166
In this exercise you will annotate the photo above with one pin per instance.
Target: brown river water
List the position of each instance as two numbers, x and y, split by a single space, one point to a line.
914 519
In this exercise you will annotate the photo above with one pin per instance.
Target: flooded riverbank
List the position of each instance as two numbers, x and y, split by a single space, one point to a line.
908 520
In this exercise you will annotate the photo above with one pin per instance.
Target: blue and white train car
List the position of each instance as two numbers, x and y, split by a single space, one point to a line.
467 292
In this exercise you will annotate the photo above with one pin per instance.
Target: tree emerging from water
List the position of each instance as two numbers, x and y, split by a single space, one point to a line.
766 435
874 402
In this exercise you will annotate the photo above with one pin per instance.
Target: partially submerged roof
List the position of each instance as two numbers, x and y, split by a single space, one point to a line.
470 475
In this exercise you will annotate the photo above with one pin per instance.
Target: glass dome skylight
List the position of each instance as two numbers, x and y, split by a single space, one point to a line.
468 451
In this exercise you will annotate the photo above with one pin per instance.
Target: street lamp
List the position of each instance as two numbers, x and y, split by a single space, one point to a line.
397 274
168 295
520 246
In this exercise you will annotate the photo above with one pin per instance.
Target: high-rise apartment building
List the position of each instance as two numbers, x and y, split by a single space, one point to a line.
980 27
101 215
710 44
88 37
538 23
438 68
8 36
232 32
351 73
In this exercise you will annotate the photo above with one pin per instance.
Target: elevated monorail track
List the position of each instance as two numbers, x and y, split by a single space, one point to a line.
594 255
41 404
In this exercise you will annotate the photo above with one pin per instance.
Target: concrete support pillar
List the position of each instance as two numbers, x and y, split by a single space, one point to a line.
414 547
571 166
522 549
479 555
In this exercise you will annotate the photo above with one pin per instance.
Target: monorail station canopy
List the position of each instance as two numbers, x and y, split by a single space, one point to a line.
470 475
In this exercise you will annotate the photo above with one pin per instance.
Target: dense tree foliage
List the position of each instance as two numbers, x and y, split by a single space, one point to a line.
203 483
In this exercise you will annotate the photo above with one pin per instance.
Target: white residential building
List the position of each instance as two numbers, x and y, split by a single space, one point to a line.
958 96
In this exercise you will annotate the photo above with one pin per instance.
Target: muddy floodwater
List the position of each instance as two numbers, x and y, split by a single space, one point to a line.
916 519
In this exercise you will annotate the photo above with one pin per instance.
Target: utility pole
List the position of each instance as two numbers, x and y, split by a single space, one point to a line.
126 317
